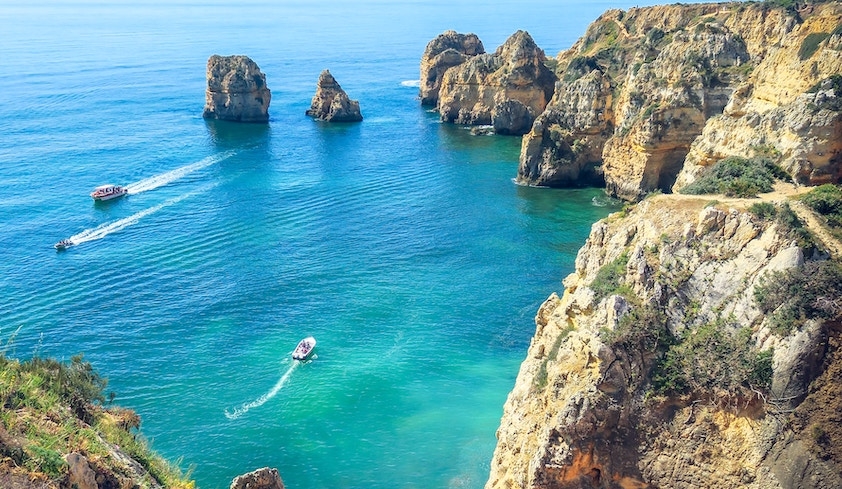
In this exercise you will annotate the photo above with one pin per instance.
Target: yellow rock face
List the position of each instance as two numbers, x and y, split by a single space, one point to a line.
690 85
581 414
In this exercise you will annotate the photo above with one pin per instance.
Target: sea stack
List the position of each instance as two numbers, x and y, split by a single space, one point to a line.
331 103
236 90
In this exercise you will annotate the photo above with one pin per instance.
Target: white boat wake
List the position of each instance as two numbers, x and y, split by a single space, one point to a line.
107 228
156 181
236 413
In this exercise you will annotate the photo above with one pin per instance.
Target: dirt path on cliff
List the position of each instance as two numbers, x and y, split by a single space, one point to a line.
817 227
783 192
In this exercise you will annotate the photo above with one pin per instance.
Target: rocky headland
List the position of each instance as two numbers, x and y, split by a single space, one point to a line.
236 90
331 103
649 97
697 343
506 89
662 366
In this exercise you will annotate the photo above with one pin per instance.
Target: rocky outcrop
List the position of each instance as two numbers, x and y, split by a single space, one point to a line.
642 87
665 293
331 103
265 478
504 89
79 473
447 50
236 90
803 136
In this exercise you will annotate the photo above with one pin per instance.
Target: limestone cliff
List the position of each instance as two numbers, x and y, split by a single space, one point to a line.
236 90
447 50
506 89
660 367
330 102
643 86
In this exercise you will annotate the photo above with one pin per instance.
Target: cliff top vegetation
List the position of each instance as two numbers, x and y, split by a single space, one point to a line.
56 427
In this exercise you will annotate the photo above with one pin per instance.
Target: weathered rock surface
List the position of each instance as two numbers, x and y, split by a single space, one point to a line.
445 51
236 90
79 473
265 478
804 136
582 413
483 86
638 89
331 103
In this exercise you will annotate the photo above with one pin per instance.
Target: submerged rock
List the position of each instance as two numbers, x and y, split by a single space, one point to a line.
447 50
236 90
331 103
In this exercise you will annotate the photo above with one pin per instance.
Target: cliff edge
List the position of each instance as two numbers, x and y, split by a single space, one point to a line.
696 345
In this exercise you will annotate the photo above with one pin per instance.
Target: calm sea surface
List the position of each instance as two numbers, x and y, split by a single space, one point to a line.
400 243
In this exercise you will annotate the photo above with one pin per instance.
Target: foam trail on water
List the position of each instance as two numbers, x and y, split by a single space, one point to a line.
173 175
265 397
107 228
411 83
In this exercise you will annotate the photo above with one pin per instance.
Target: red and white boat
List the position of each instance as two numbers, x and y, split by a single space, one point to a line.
108 192
304 349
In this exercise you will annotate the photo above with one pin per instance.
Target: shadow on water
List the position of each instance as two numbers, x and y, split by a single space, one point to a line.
227 135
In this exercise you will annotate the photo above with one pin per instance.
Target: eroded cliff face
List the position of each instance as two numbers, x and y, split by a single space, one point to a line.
236 90
506 89
642 87
447 50
599 401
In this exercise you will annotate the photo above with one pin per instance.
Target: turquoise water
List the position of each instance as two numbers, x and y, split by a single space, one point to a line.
400 243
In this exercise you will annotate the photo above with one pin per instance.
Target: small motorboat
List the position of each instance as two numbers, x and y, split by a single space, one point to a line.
108 192
304 349
63 245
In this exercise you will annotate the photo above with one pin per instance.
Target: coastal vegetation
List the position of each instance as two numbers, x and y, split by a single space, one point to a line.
826 200
610 278
717 360
718 357
50 409
794 296
736 176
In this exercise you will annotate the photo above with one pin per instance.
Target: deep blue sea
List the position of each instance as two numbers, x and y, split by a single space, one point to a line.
400 243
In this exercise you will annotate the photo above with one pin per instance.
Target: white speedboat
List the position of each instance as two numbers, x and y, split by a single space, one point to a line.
304 349
108 192
63 245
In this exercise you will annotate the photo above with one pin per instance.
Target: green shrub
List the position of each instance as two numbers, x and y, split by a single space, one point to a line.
793 296
715 356
610 277
793 228
46 460
540 381
737 177
763 210
810 44
827 201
